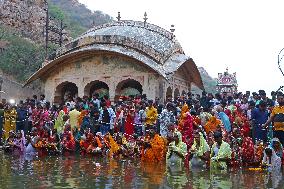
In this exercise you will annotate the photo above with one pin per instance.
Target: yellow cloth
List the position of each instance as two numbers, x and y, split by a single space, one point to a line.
74 118
276 111
151 115
10 122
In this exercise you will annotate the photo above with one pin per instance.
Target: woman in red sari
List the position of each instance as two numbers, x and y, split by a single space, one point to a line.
187 130
129 123
68 142
247 148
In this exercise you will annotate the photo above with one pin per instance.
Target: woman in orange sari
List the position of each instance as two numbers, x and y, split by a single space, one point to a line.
212 124
153 148
183 116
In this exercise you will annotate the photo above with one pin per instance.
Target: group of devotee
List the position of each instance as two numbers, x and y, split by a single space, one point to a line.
198 131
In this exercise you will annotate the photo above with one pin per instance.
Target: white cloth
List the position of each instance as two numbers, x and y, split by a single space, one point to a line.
275 164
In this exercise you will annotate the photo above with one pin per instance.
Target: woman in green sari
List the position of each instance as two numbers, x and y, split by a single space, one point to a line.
220 153
199 152
59 123
177 151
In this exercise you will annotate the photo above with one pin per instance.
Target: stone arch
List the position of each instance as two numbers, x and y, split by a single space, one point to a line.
169 93
99 87
128 87
63 90
176 93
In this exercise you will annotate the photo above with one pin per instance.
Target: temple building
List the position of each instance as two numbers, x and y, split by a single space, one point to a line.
119 58
227 83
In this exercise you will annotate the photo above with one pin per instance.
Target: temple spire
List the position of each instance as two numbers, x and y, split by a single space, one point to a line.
145 18
118 16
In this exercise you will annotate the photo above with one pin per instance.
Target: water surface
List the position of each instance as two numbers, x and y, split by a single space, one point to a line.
91 172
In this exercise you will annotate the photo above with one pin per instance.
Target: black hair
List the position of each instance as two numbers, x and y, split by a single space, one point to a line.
268 151
217 134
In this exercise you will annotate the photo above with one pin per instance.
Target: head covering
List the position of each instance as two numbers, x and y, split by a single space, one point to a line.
225 120
203 146
275 160
178 134
280 152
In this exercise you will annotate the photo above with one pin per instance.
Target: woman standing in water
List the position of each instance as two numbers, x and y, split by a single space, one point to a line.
270 160
177 151
220 153
277 147
199 152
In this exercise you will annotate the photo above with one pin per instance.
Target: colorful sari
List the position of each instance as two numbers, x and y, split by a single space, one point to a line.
59 123
199 150
10 122
187 129
181 147
156 152
223 152
129 125
247 150
212 124
183 116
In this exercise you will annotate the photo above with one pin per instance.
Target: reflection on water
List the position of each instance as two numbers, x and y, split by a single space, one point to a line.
90 172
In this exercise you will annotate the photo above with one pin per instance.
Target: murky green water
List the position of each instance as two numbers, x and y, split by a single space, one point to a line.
90 172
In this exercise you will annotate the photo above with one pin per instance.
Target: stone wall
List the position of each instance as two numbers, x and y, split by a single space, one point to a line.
13 90
108 68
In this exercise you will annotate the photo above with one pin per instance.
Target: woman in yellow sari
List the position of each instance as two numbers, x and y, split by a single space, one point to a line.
59 123
10 116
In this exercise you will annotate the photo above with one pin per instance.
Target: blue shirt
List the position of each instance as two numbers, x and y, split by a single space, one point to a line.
259 117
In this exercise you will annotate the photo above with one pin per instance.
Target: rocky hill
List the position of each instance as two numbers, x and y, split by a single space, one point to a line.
22 24
209 82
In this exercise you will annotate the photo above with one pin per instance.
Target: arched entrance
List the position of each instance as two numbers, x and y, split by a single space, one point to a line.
169 93
96 87
64 90
176 93
128 87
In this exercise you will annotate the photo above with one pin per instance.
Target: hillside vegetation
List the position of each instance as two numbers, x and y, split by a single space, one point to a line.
24 52
77 17
20 57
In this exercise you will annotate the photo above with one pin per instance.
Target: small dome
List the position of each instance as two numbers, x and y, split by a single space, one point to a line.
149 39
152 45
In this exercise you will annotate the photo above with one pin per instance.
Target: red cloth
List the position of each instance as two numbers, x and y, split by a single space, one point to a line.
108 103
247 150
187 130
129 125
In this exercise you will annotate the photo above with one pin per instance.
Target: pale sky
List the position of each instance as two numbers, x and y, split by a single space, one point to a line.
244 35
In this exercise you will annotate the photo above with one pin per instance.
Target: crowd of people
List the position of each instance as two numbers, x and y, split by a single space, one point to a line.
198 131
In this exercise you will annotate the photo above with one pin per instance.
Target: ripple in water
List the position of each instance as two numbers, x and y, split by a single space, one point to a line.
90 172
